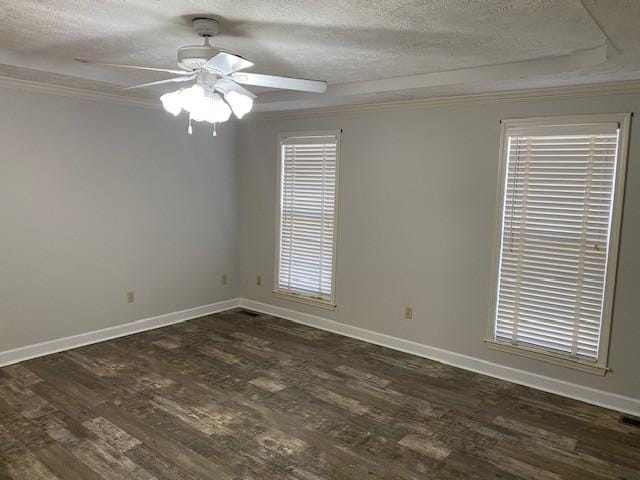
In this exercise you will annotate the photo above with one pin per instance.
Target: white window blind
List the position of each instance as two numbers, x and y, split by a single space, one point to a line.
558 201
307 221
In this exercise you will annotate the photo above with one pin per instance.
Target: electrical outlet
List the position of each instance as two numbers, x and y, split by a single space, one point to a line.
224 279
408 313
130 297
259 280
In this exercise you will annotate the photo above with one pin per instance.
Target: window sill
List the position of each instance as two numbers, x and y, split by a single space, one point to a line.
316 302
549 357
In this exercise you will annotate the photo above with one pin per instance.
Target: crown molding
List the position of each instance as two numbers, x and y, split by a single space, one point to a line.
577 91
73 92
613 88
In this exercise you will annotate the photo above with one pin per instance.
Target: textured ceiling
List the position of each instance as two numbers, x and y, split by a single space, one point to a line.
348 43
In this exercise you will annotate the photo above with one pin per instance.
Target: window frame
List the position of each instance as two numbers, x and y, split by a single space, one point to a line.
301 297
597 366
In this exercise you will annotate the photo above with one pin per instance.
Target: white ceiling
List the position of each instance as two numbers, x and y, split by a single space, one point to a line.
368 50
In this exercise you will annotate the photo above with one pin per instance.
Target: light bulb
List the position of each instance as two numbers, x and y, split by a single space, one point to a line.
172 102
211 108
191 97
223 112
240 104
201 110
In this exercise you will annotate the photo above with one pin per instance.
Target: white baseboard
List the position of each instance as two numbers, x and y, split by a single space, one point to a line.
578 392
20 354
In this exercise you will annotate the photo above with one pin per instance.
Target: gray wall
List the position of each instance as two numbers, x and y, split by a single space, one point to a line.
416 226
97 199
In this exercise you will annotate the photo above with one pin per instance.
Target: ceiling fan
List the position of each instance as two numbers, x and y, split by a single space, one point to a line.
217 78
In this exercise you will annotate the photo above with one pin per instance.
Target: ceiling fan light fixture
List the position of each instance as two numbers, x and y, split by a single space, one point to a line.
240 104
202 105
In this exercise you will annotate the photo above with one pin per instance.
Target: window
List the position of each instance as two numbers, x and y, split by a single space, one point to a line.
560 204
307 214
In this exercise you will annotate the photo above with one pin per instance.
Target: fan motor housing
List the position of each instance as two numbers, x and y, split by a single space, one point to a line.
193 57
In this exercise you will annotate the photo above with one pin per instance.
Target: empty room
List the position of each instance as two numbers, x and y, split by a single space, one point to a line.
319 240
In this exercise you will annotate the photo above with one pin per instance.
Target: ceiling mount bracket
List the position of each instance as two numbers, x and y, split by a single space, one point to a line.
205 27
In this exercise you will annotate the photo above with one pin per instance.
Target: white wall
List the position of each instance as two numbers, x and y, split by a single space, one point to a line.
97 199
416 226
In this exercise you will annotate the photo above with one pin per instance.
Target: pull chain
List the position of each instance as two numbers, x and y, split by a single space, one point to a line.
215 134
190 129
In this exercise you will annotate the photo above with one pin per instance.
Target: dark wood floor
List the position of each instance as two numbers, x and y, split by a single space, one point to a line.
240 396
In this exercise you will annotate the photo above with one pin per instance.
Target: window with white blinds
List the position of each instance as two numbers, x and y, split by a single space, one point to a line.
307 216
557 254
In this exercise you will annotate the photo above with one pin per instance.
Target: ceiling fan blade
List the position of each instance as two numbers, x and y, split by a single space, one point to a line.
285 83
133 67
225 63
226 85
160 82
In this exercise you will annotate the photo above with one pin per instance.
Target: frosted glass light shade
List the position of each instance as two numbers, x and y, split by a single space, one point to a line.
172 102
240 104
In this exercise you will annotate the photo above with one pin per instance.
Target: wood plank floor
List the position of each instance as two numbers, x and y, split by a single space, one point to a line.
242 396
